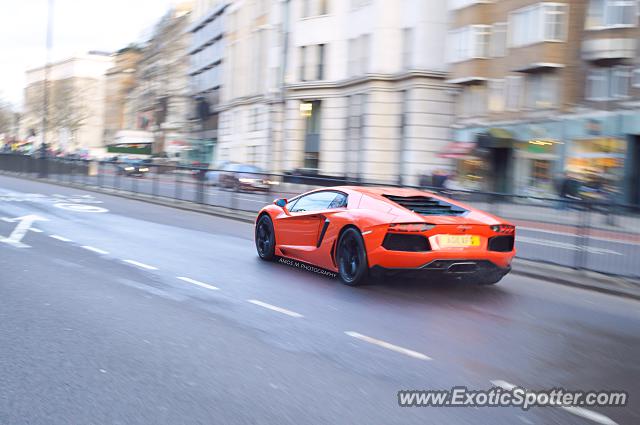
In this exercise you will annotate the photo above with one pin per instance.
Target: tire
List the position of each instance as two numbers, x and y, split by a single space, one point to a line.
351 256
265 238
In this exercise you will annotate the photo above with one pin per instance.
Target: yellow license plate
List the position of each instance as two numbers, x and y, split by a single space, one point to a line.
458 241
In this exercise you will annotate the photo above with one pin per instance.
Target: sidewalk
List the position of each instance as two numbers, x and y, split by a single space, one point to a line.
622 287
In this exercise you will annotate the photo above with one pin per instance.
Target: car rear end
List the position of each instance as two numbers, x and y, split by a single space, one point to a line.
430 234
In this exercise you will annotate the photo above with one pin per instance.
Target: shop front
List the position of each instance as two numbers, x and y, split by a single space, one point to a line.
600 149
521 158
600 155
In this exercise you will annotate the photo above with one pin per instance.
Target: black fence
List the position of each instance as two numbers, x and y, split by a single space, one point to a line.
590 235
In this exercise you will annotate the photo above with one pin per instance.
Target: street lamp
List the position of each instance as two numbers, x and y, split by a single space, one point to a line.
45 96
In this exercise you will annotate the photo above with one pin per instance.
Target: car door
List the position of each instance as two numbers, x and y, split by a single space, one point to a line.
299 228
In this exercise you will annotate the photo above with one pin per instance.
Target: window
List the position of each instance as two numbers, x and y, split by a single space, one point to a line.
595 14
359 55
303 60
473 101
365 46
319 201
496 95
469 42
620 82
513 93
609 13
459 4
312 62
314 8
321 59
554 22
407 47
538 23
498 40
352 61
598 84
323 7
255 118
542 90
608 83
636 77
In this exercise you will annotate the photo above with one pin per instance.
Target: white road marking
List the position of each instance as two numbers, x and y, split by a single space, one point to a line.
60 238
80 208
198 283
94 249
33 229
578 411
276 308
388 346
565 245
6 220
24 225
141 265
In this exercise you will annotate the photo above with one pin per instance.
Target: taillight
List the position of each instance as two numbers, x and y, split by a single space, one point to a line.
505 229
410 227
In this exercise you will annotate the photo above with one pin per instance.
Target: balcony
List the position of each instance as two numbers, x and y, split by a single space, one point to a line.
469 72
608 49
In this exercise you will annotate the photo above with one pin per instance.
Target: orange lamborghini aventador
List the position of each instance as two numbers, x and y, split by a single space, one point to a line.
362 231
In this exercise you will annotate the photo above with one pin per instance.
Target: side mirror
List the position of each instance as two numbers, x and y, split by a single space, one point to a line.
282 202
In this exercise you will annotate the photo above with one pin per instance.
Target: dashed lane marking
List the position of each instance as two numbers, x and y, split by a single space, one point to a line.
275 308
141 265
578 411
94 249
388 346
60 238
198 283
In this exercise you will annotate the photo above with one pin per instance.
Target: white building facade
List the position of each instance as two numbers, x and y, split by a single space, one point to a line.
366 91
346 88
76 90
252 94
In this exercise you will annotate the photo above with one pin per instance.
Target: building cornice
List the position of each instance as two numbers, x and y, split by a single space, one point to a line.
348 82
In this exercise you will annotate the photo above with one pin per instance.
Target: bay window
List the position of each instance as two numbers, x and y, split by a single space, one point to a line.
499 40
469 42
538 23
611 13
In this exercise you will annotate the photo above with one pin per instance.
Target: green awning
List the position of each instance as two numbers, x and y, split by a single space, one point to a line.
496 138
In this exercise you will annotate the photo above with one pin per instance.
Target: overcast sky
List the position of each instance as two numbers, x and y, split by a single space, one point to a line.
79 26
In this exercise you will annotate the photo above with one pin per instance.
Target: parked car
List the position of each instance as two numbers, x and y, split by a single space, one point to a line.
133 167
244 177
212 177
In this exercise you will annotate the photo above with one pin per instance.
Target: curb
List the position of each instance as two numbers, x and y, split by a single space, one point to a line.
612 285
618 286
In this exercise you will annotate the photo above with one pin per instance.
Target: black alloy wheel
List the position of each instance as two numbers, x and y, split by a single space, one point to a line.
352 258
265 238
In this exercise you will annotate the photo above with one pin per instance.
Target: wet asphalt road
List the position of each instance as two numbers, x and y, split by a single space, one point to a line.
142 314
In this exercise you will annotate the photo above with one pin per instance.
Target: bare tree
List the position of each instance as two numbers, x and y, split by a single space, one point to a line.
7 116
67 109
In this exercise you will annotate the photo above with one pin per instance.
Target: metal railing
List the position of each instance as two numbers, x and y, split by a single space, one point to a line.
589 235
